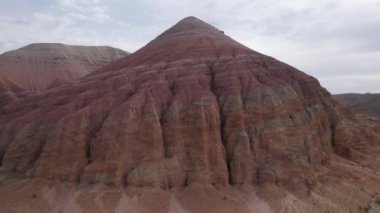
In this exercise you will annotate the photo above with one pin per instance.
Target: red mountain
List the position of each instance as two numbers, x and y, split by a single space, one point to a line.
193 121
37 67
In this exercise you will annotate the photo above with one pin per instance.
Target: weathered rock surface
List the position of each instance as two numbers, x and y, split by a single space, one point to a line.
7 91
40 66
368 103
193 107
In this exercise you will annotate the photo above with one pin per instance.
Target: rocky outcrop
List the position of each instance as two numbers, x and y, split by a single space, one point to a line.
192 106
40 66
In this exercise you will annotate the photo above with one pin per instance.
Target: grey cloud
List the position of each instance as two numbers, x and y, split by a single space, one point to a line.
325 38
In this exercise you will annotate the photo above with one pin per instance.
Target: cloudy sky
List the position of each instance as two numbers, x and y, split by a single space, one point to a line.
337 41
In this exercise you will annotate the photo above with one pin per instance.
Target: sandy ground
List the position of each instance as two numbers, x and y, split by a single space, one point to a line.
342 187
35 195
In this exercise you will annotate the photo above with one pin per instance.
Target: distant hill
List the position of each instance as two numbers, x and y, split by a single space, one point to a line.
361 103
40 66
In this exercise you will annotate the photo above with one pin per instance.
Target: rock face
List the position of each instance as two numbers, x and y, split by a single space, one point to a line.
361 103
192 106
7 91
38 67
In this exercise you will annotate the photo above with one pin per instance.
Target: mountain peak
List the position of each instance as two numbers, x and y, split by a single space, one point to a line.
189 39
191 26
194 22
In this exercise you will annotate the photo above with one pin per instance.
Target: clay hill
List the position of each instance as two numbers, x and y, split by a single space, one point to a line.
192 122
37 67
361 103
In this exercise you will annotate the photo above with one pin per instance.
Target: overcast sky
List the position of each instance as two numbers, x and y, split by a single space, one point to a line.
337 41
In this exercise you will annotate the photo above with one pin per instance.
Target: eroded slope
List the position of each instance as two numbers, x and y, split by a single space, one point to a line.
195 107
